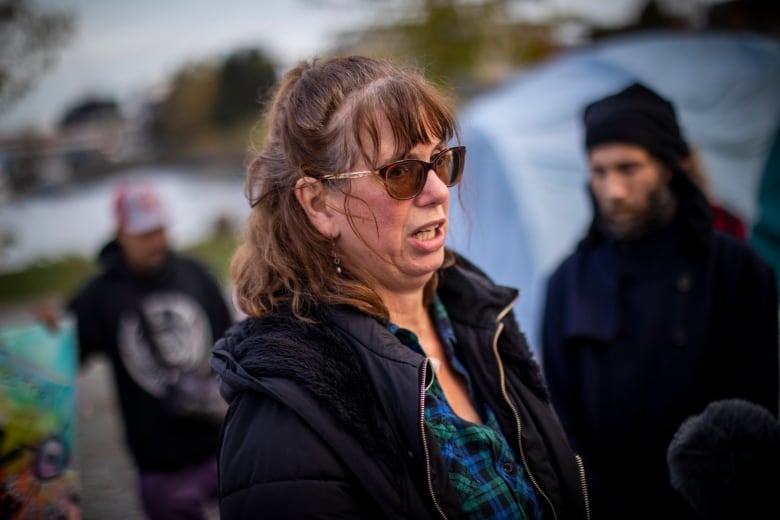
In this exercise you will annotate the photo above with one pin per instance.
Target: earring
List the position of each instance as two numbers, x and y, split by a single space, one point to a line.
337 263
336 259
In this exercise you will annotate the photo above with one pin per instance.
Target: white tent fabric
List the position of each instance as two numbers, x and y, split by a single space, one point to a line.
524 190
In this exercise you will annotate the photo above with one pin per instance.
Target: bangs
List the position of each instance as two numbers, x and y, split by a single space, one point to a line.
387 101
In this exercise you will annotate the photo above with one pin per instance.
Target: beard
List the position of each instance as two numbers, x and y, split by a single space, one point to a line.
660 210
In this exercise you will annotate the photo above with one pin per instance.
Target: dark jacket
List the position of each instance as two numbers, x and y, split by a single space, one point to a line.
640 334
186 300
326 418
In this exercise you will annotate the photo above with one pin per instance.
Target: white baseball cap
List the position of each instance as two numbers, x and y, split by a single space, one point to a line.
138 209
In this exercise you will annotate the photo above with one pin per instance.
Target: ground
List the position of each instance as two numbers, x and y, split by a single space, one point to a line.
108 483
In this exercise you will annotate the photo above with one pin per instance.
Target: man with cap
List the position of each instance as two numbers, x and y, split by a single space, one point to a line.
155 314
654 315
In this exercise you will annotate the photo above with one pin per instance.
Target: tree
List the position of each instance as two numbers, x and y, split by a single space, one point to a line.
186 113
28 41
244 78
212 103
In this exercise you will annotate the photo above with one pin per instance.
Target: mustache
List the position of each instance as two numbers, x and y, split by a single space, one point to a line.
660 209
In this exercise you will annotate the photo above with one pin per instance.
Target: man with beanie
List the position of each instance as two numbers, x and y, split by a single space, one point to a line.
654 315
155 314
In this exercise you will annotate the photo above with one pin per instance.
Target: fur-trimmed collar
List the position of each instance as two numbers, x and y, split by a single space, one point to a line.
310 354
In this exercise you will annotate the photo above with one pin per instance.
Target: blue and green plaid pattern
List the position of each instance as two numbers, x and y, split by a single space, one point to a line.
482 467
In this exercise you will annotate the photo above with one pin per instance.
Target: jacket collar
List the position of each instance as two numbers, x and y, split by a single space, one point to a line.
471 297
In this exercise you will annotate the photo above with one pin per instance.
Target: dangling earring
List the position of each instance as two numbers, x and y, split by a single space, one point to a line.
337 263
336 259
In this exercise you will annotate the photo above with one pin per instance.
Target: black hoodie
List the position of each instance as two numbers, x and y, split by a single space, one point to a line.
189 312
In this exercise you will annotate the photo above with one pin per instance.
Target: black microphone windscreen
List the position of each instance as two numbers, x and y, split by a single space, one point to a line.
725 461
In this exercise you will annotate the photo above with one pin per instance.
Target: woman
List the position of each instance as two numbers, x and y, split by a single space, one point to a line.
377 375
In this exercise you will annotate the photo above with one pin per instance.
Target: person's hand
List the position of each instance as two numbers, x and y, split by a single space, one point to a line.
48 315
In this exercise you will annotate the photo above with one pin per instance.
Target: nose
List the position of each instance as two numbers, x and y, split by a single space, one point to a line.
434 190
614 186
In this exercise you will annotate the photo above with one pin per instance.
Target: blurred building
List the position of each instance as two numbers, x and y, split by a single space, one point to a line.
93 138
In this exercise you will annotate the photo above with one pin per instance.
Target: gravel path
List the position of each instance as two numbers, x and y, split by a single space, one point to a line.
108 482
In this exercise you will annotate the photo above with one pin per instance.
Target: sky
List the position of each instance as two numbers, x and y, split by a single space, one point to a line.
121 48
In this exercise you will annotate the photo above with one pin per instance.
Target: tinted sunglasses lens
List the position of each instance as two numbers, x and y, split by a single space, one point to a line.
404 179
449 166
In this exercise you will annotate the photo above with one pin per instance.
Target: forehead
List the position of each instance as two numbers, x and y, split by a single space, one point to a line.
141 238
611 153
383 140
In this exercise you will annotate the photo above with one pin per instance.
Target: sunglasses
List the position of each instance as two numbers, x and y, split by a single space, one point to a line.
405 179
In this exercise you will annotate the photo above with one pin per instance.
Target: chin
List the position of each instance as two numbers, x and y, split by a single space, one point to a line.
431 267
154 266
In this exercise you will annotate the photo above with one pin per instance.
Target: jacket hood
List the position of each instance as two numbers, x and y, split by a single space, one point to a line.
261 354
110 256
256 350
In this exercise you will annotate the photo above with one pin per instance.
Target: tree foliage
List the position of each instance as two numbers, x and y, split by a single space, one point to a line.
29 40
244 78
452 38
187 110
207 99
466 44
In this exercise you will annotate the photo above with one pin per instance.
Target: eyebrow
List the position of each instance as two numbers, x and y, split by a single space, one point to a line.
620 165
440 147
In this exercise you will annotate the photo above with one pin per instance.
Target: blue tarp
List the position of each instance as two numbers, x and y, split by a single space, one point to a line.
524 189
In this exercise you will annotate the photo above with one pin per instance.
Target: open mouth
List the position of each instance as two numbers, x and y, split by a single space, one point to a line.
428 233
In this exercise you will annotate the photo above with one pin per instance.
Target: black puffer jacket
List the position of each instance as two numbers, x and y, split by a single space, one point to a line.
326 420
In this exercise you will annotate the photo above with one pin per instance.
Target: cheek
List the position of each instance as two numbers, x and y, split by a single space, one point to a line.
648 192
597 188
378 221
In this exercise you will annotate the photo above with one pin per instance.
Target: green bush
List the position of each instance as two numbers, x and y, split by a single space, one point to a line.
50 279
58 279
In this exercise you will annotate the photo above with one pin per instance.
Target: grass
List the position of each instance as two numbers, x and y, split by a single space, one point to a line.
215 253
57 280
44 280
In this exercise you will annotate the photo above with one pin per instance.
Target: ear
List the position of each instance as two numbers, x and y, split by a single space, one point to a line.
314 199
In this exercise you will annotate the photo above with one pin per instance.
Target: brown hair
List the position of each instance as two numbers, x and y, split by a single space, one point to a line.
324 117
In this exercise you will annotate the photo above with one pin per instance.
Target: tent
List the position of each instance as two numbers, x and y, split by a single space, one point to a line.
524 200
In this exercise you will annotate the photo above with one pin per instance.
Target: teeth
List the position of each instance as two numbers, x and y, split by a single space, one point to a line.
426 234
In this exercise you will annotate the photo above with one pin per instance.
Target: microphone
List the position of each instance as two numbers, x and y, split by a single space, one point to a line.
725 461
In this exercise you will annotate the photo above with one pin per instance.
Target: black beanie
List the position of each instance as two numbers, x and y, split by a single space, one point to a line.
636 115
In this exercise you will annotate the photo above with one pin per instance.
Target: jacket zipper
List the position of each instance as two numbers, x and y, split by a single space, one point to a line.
516 414
584 485
426 451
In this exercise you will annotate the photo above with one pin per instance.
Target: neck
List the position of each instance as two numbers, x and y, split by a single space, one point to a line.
408 311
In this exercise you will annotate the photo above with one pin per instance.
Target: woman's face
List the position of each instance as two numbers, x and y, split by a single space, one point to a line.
399 242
